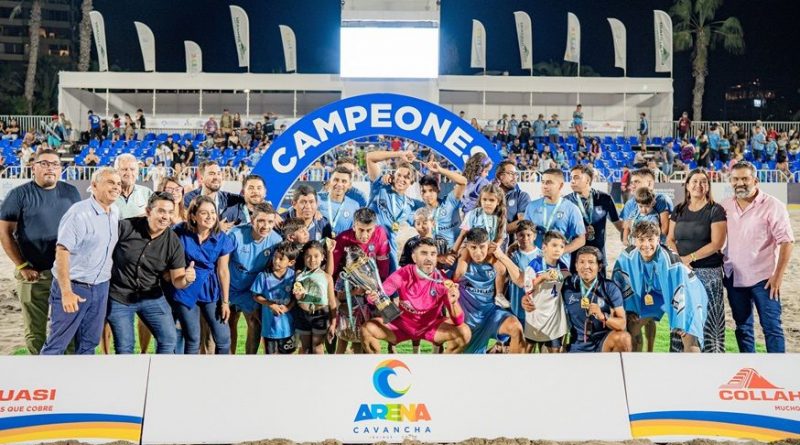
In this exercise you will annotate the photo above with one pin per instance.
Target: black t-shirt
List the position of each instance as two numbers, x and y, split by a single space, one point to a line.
693 231
37 213
140 261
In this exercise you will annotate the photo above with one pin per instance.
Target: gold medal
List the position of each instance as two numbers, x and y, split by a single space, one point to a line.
585 303
553 275
590 232
648 300
395 226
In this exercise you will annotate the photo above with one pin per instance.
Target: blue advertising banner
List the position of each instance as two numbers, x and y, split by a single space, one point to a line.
367 115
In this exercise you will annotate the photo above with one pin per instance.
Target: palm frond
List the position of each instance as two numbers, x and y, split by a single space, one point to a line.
705 10
730 34
683 40
682 11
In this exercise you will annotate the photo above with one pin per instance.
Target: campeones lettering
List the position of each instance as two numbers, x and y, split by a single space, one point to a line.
375 117
394 412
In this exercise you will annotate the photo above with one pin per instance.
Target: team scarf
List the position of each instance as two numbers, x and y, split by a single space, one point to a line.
685 298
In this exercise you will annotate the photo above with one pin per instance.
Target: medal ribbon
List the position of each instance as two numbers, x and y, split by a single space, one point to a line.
396 218
549 221
586 212
586 293
332 219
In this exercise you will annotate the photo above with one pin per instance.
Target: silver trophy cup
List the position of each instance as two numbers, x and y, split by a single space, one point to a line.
362 272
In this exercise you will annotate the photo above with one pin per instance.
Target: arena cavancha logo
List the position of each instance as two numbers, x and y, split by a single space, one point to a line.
397 413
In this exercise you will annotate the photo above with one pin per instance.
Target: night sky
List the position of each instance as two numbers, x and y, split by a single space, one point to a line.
770 30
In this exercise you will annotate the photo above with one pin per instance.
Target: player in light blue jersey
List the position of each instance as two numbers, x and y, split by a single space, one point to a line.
389 201
334 203
524 252
552 212
446 211
644 178
353 193
253 242
272 289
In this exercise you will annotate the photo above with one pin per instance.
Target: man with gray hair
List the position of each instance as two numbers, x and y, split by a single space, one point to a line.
133 197
87 235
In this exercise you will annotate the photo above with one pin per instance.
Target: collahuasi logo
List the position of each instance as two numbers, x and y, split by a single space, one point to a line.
395 412
749 385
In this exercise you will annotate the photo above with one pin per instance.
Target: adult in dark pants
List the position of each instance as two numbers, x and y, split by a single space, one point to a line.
697 233
87 235
28 229
596 209
146 250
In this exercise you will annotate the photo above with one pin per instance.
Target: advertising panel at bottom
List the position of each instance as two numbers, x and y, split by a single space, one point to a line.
677 397
90 399
365 399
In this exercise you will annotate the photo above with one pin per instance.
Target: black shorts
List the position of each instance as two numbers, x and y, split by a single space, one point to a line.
279 345
311 323
595 344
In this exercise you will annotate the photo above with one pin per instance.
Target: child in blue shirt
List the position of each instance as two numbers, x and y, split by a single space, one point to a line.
645 211
273 290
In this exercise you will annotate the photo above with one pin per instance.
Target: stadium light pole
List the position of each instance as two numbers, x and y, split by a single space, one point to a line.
247 105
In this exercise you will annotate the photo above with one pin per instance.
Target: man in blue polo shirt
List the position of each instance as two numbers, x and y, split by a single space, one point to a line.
596 209
594 308
335 205
390 201
229 205
253 245
644 177
447 211
87 235
517 200
552 212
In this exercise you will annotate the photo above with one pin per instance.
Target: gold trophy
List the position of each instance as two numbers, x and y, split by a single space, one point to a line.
362 272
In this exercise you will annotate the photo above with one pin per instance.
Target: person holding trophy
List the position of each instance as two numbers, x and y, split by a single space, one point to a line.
423 294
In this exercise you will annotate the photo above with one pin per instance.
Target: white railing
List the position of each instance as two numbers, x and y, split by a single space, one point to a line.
724 177
78 173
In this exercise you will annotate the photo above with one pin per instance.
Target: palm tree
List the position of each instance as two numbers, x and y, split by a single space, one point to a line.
696 28
85 36
33 52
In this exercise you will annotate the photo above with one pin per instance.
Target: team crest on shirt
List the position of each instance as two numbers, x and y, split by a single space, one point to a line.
560 214
371 248
511 202
433 292
346 214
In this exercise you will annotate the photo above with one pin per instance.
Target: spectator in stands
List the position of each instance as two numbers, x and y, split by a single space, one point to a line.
87 234
513 127
245 137
515 147
12 131
684 126
793 147
639 161
687 151
139 120
644 129
783 166
724 149
595 151
758 143
25 154
165 154
116 124
94 126
210 127
147 251
66 125
704 151
91 159
220 140
226 123
760 242
474 124
714 135
553 128
771 148
538 127
577 123
29 220
668 159
133 198
233 140
258 132
237 121
697 233
130 128
156 174
546 163
242 171
502 129
560 157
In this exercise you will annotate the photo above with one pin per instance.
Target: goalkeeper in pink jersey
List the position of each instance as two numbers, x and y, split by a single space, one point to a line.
423 295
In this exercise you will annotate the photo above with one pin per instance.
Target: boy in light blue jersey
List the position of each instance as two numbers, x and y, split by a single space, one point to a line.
334 203
645 211
644 178
253 243
272 289
724 150
389 201
522 255
447 211
552 212
771 149
713 143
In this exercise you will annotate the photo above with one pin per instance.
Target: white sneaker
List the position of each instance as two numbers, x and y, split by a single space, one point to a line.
502 301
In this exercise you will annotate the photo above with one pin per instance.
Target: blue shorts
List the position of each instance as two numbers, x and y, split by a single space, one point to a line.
243 301
593 345
552 344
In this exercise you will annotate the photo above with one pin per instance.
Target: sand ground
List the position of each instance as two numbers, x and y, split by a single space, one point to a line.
11 331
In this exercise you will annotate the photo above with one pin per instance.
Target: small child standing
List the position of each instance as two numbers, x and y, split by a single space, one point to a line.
490 215
273 290
525 252
315 313
476 170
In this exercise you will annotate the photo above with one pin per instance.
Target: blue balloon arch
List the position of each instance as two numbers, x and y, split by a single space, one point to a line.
359 116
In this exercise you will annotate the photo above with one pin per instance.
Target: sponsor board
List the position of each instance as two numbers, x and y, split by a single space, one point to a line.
90 399
724 396
366 399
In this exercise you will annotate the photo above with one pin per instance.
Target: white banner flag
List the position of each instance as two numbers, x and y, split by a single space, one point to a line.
289 48
241 34
524 38
662 24
99 31
573 52
478 59
194 57
148 44
619 35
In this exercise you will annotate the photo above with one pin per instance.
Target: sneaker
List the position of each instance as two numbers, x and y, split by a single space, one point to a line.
502 301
